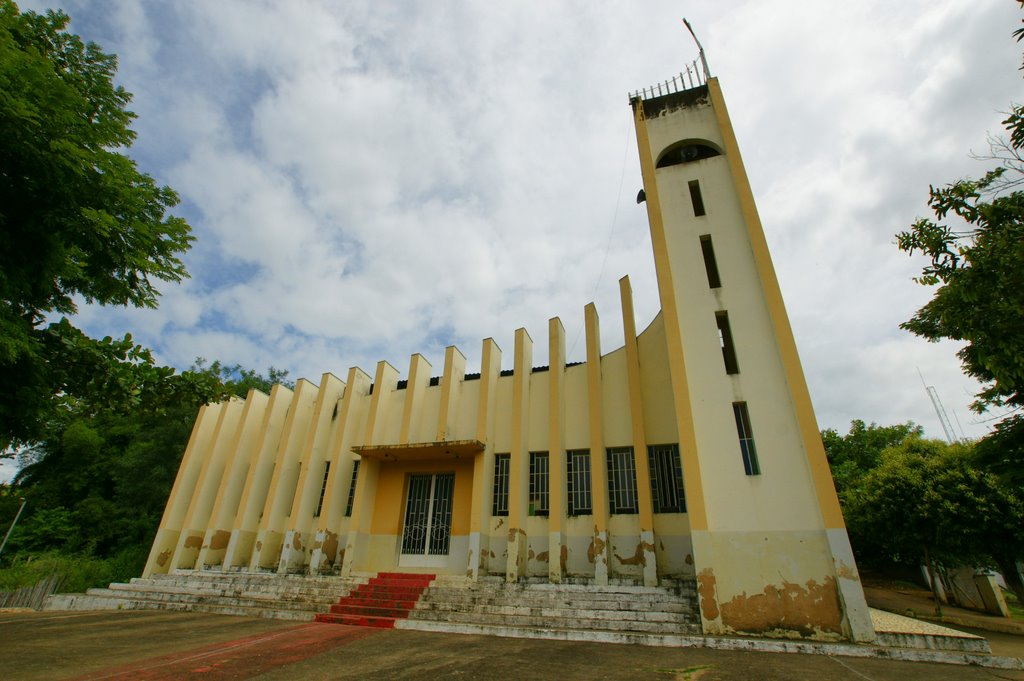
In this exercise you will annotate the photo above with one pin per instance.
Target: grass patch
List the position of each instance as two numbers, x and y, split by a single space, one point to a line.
1014 605
79 572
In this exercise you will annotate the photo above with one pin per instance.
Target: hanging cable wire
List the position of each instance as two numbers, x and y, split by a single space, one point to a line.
611 234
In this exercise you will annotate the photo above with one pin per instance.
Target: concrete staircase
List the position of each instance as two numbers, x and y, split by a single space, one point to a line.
619 613
291 597
388 597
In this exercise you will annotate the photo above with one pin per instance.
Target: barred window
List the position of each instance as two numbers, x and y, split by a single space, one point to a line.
666 479
323 489
621 481
577 478
747 448
499 506
539 477
352 489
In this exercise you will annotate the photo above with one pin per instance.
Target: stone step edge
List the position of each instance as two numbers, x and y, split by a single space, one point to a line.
561 613
722 643
560 588
611 605
257 574
225 601
568 624
82 602
241 593
299 581
160 597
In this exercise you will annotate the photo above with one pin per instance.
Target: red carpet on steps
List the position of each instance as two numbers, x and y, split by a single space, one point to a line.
378 603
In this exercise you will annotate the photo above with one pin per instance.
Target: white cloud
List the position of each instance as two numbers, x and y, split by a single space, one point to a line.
369 180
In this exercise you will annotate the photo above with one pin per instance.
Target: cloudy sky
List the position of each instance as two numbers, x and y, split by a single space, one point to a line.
367 180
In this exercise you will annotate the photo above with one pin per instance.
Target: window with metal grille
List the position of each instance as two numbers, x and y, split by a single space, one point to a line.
352 489
621 481
499 506
323 489
441 515
746 434
577 478
539 477
666 479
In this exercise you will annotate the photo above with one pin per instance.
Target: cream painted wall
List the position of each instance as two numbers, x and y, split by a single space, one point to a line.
782 497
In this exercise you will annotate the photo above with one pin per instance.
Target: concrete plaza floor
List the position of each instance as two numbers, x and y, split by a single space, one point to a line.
141 645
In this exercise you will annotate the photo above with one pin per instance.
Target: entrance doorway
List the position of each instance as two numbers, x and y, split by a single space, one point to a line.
428 520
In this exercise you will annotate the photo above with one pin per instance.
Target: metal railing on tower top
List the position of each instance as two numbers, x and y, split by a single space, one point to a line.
694 76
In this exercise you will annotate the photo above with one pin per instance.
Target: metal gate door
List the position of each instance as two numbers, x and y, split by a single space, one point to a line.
428 519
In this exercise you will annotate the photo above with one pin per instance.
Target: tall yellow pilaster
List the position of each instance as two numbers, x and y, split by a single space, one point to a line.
351 425
198 517
451 390
556 448
519 465
416 386
300 525
384 386
181 493
483 464
636 413
257 480
599 550
232 483
280 494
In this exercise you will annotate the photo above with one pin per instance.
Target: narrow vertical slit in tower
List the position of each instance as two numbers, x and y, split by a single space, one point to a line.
725 339
710 265
696 198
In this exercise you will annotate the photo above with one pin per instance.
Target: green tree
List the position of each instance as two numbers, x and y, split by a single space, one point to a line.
853 455
78 220
927 501
975 244
97 483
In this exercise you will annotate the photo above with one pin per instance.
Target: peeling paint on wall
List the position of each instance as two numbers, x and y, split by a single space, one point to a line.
564 557
220 540
809 610
595 549
164 556
194 542
542 557
706 591
639 555
330 547
847 571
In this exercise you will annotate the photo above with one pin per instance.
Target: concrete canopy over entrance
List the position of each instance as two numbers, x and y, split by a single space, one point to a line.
422 451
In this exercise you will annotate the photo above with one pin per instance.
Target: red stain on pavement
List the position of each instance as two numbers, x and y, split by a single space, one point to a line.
242 658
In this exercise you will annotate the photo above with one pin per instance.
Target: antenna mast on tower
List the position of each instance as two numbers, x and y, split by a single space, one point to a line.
700 48
940 411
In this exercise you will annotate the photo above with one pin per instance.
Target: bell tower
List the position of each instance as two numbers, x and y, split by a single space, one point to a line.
770 547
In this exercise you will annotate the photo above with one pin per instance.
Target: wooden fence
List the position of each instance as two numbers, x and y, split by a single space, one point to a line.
31 596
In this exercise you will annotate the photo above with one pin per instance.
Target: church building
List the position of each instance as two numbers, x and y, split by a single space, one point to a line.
691 452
